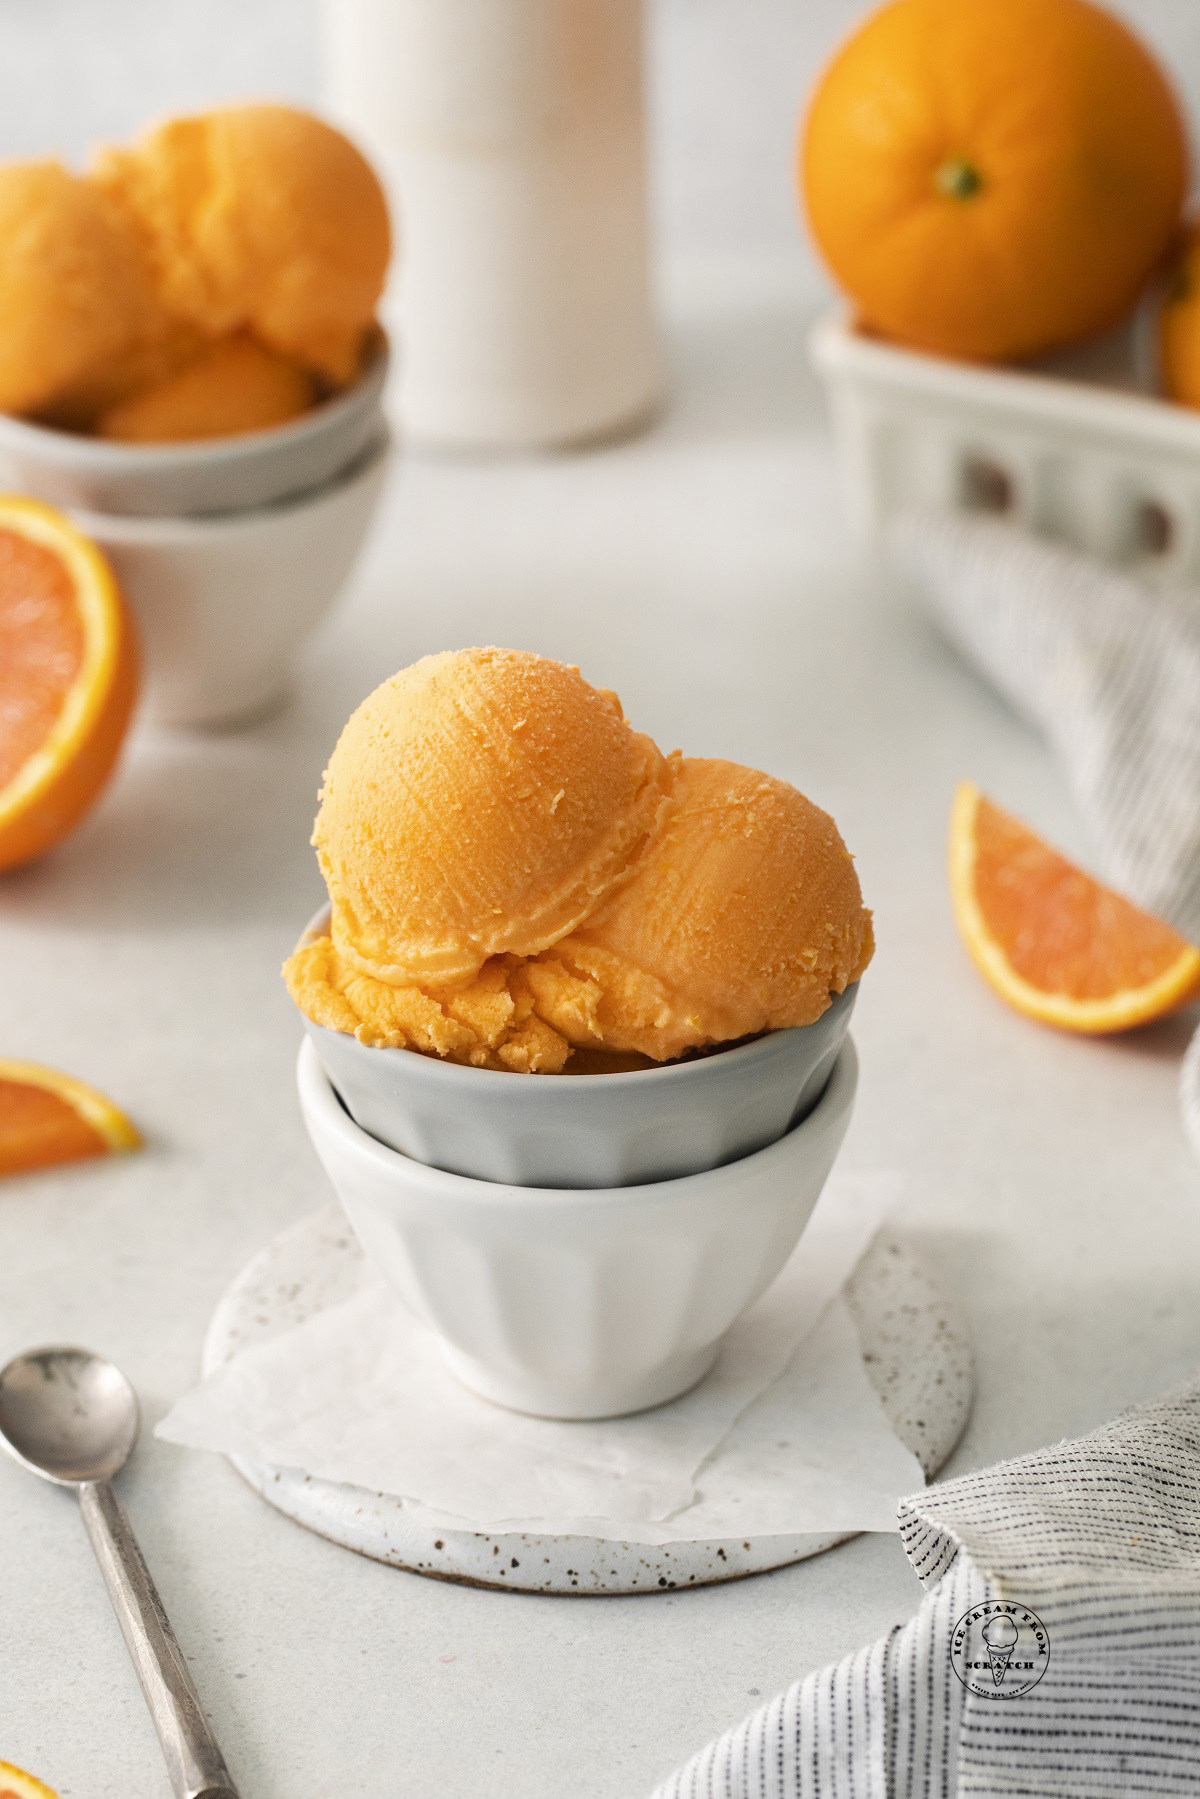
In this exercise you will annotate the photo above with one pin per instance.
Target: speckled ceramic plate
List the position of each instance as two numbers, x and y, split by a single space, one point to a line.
915 1349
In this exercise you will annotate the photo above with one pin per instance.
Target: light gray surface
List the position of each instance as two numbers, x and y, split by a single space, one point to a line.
704 572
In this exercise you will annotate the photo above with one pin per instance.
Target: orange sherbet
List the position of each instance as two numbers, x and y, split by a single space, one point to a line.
480 803
259 218
233 386
488 1021
516 874
743 915
80 322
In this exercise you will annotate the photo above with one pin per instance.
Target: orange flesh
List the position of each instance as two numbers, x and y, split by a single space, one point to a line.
41 649
1059 930
38 1128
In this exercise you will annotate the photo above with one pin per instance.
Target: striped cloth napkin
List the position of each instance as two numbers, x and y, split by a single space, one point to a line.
1107 667
1057 1654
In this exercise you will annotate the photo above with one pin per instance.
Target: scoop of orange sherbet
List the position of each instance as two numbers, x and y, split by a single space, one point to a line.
79 318
744 914
487 1022
480 803
261 218
232 386
514 874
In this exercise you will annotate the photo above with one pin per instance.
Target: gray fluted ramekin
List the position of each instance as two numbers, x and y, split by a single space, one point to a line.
587 1130
209 475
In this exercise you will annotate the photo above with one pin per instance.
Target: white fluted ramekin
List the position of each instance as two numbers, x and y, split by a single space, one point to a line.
225 603
578 1303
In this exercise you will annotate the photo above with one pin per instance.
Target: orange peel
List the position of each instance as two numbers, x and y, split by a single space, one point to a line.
47 1117
16 1784
68 677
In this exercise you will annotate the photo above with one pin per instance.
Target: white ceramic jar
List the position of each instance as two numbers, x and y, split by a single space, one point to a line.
512 137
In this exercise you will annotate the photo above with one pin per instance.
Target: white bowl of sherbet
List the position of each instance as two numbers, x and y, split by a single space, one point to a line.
190 362
189 327
555 957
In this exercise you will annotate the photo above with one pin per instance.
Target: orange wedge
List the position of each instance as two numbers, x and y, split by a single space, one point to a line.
47 1117
68 677
1052 941
17 1785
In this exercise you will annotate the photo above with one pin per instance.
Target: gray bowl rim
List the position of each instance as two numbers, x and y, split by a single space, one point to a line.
433 1068
840 1090
169 528
69 449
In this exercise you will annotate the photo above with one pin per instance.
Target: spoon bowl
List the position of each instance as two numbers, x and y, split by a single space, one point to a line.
68 1415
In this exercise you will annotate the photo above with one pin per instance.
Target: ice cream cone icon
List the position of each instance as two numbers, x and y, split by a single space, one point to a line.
1000 1639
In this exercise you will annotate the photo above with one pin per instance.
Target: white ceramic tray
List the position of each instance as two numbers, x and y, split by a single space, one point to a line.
1078 446
915 1349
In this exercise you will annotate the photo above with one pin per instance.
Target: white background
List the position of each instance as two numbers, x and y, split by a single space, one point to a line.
728 77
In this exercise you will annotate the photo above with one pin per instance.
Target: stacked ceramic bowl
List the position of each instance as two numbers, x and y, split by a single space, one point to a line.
580 1244
229 550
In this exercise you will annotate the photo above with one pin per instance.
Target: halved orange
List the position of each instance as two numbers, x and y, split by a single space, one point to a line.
68 677
48 1117
16 1784
1053 942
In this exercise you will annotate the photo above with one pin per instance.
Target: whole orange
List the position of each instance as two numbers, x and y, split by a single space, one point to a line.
990 178
1179 325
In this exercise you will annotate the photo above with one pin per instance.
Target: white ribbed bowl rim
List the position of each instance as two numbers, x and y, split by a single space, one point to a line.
317 1093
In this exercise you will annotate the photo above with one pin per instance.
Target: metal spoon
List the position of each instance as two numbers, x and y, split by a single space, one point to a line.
73 1418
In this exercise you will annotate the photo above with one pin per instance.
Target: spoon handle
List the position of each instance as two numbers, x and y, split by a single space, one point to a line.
195 1763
